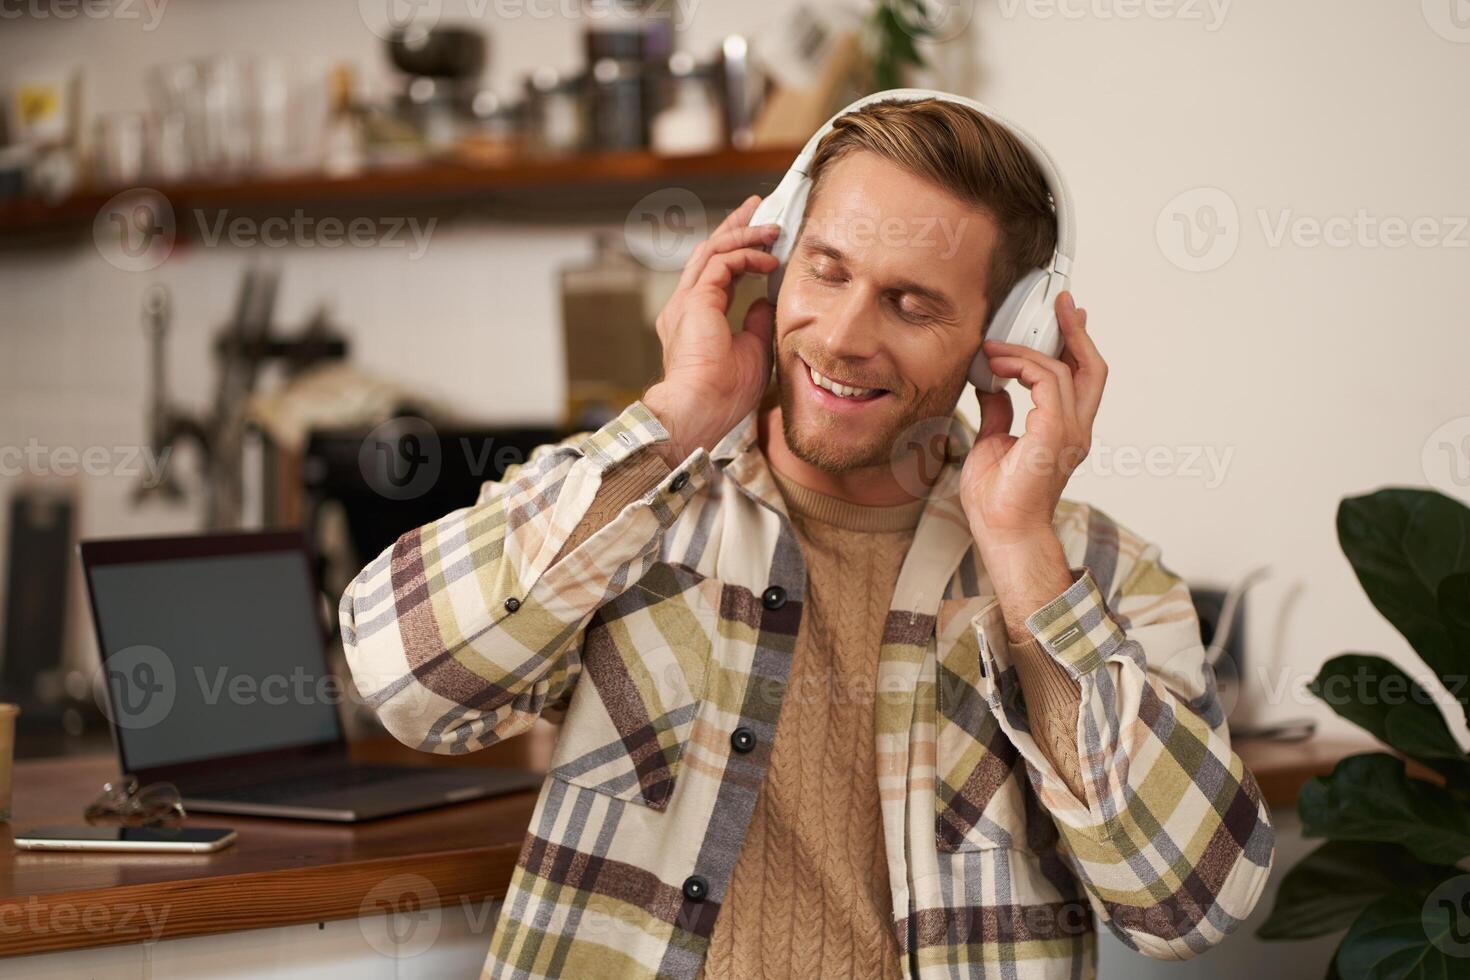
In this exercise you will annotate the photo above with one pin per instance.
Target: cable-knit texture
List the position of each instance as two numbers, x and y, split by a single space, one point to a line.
810 895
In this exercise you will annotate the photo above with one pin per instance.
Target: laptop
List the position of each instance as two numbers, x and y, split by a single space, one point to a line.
215 675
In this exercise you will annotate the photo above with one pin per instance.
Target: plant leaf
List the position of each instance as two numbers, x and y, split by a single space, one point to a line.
1328 888
1369 798
1379 697
1402 543
1454 612
1393 938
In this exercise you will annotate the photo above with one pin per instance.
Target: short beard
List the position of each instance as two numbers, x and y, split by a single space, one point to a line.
814 446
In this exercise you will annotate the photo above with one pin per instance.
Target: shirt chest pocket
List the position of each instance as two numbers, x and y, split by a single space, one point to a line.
979 788
645 663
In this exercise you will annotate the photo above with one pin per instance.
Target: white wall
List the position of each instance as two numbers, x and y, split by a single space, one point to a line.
1314 372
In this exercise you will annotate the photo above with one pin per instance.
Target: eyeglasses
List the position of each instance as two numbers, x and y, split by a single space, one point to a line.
135 806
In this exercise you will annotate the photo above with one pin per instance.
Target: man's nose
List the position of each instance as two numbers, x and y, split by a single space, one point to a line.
850 328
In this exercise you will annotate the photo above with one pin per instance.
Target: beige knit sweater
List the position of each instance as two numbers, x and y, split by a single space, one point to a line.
809 896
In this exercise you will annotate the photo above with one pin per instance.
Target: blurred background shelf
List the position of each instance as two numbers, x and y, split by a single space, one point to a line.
575 189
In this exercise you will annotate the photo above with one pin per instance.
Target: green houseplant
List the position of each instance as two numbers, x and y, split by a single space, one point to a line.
1393 871
895 26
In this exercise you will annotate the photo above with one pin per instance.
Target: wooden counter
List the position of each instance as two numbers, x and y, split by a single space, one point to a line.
279 871
282 872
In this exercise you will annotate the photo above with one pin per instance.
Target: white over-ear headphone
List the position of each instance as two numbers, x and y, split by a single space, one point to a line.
1028 314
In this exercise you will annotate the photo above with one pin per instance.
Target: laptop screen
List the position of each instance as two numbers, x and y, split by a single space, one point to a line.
213 656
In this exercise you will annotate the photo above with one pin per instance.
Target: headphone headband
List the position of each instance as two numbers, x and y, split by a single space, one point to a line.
1061 199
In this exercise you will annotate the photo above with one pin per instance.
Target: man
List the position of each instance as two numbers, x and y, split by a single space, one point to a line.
843 692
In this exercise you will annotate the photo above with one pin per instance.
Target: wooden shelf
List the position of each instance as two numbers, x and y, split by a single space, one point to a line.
564 190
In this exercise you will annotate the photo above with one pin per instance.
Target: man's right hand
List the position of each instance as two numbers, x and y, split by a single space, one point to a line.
713 376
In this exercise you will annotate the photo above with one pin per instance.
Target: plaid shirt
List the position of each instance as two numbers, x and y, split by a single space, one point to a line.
665 640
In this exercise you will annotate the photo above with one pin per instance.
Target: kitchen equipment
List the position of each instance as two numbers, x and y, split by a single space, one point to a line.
439 52
619 105
121 148
740 87
692 119
498 132
442 68
556 112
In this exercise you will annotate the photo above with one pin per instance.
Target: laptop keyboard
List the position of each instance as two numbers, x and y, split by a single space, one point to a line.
294 787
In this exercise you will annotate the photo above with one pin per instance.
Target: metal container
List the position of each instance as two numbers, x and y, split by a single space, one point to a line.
619 103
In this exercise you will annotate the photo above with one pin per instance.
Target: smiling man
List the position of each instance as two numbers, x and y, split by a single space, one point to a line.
845 688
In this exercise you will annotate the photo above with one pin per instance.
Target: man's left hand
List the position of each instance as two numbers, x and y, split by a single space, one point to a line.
1010 486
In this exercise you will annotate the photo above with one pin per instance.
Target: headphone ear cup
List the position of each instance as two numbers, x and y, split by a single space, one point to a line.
1011 324
792 201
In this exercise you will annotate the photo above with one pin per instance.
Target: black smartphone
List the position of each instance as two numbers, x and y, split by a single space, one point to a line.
153 840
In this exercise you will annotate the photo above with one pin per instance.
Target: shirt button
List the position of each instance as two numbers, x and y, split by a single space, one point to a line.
512 604
696 887
742 739
678 482
774 597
